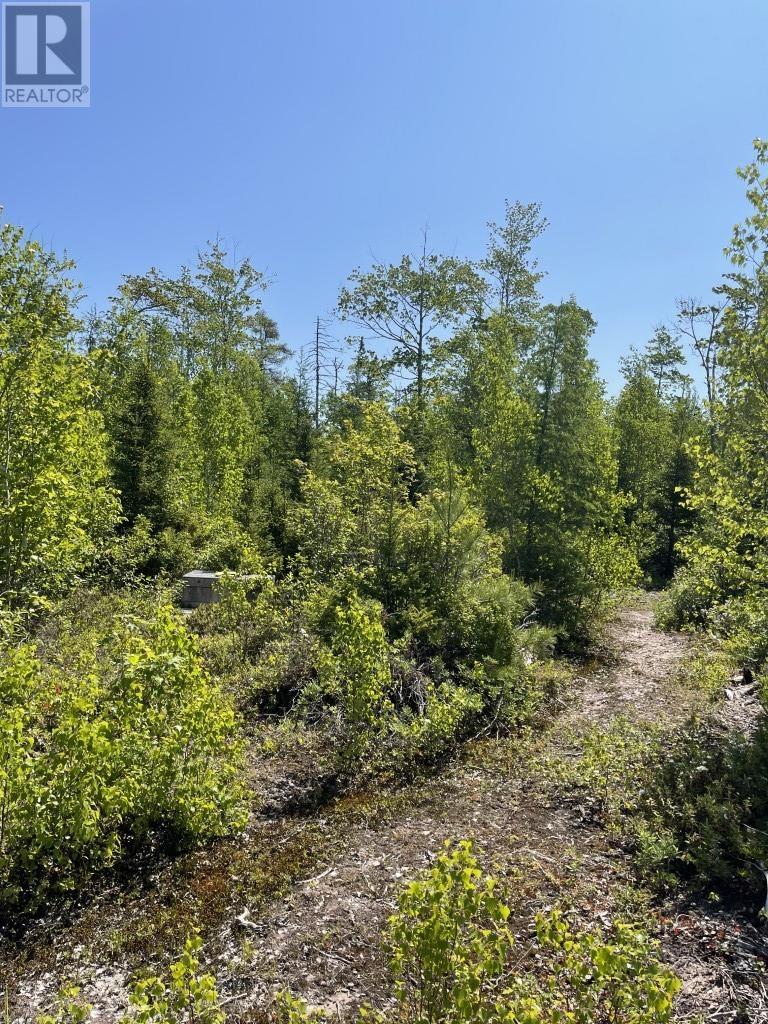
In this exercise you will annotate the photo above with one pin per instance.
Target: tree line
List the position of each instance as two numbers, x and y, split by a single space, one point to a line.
403 549
169 431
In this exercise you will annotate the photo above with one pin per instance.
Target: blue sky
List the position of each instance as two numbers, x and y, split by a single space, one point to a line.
318 136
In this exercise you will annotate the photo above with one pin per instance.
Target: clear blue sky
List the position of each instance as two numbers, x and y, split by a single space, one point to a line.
317 135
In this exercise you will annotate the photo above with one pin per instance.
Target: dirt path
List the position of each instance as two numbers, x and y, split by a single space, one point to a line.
322 937
635 675
323 941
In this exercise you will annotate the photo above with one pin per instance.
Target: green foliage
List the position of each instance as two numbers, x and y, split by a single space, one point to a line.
290 1010
508 261
385 581
701 810
127 739
396 577
203 433
656 418
722 586
143 447
450 942
408 303
354 674
355 503
597 978
530 425
454 961
452 950
186 996
70 1008
56 503
572 539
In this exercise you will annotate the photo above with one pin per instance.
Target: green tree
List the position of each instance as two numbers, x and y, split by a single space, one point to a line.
723 582
355 500
143 459
55 500
409 304
663 359
212 438
656 417
572 546
508 261
493 422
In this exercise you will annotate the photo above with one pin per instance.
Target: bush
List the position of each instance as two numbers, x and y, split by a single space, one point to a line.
737 621
70 1008
186 996
701 811
436 728
598 977
450 942
454 961
324 652
140 552
686 601
132 740
354 679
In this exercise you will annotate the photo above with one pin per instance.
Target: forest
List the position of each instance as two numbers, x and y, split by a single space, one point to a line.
438 536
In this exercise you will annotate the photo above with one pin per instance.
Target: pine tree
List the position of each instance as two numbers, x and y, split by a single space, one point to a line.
143 452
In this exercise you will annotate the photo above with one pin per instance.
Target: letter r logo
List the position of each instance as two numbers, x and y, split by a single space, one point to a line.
43 44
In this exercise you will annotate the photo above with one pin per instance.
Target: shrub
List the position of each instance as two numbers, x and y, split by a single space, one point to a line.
70 1008
701 810
355 678
186 995
454 961
132 740
434 729
687 600
450 941
324 652
599 978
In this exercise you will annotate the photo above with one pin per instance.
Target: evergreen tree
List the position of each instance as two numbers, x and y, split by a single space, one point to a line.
655 418
573 546
143 456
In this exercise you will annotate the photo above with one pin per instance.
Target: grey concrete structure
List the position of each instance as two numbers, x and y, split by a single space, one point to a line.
200 588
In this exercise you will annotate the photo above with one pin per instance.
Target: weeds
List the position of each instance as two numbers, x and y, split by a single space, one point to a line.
691 803
455 961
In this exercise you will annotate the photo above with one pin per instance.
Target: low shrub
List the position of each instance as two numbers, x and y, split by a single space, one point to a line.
455 961
186 995
329 655
736 623
701 809
129 741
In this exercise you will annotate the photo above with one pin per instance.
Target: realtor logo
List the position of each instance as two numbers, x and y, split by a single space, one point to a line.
46 55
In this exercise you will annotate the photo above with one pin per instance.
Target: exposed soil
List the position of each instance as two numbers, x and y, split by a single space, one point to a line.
302 901
634 674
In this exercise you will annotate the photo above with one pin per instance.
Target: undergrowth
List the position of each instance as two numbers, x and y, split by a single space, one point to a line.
691 802
454 960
